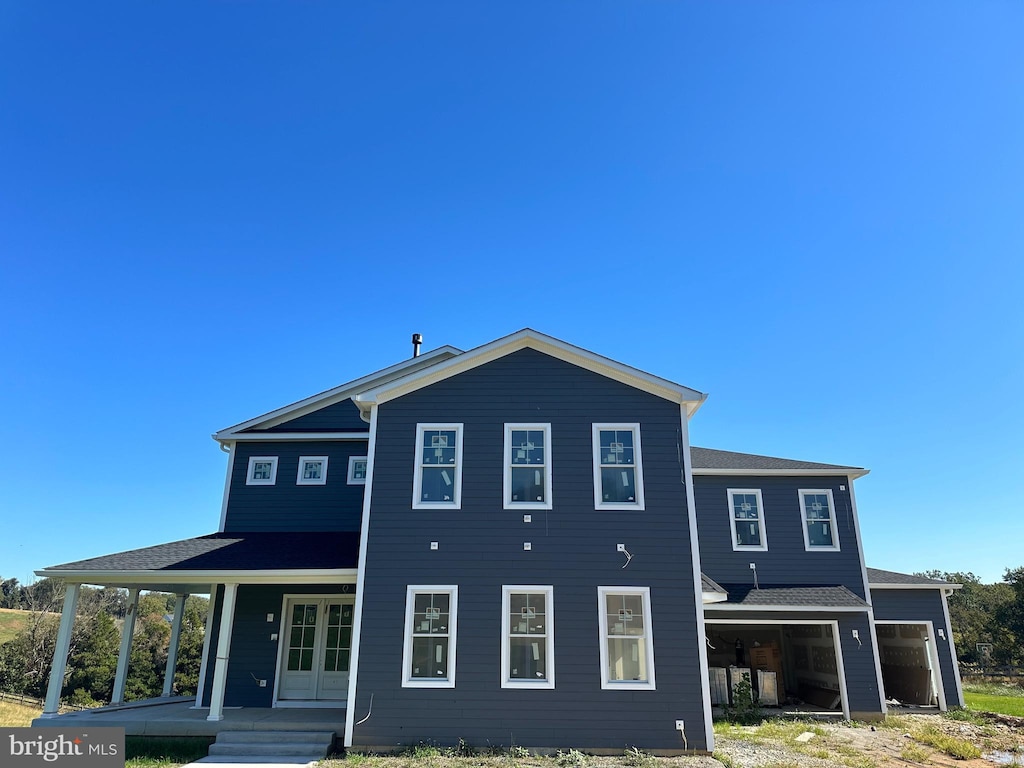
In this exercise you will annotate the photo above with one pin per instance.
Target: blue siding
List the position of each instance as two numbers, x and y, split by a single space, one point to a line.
336 506
909 605
786 562
340 417
574 549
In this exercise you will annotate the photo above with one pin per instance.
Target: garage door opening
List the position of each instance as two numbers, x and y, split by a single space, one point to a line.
796 667
909 665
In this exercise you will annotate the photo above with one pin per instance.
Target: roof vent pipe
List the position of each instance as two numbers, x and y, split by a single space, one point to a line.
417 339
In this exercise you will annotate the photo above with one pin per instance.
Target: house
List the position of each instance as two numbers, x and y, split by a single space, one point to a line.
517 544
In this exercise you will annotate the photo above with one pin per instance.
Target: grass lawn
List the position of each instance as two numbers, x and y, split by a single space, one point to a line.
11 622
987 702
150 752
14 715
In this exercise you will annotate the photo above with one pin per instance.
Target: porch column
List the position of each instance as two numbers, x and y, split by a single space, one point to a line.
172 648
60 651
207 634
121 676
220 668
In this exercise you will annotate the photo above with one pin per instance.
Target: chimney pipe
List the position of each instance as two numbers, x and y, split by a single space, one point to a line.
417 339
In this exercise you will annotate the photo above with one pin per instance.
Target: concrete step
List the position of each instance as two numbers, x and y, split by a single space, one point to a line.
312 751
256 737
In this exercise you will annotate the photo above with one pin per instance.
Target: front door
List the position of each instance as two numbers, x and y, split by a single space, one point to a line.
316 649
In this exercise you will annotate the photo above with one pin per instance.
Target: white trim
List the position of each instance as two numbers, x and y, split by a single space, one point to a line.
712 597
408 681
888 585
840 667
648 636
546 467
786 608
549 635
220 667
227 489
417 482
274 437
837 472
331 396
736 547
831 516
952 653
282 634
933 652
172 646
207 634
528 338
273 470
698 580
357 618
147 578
638 470
322 480
352 461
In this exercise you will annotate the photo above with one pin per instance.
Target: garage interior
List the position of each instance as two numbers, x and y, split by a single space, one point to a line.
791 666
908 673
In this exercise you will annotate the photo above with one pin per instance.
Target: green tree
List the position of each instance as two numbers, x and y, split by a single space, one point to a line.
149 648
94 663
976 616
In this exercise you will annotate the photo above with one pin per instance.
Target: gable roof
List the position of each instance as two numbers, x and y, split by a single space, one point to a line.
529 338
710 461
338 393
879 579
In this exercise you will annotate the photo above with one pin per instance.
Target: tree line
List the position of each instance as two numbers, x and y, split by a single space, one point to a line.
26 659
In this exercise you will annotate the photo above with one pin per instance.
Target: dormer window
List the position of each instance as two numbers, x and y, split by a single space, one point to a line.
618 473
262 470
438 480
312 470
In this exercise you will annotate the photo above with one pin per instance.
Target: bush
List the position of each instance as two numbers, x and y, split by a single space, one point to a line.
573 758
743 709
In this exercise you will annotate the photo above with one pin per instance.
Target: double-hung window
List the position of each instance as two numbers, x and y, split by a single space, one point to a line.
312 470
627 654
746 518
527 637
819 520
262 470
438 480
428 658
618 473
527 466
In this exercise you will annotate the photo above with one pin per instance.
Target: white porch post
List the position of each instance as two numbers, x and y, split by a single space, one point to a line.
207 634
60 652
121 676
220 668
172 648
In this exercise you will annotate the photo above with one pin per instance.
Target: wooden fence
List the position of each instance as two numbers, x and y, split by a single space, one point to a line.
37 703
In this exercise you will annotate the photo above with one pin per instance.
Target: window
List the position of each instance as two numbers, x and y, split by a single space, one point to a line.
618 474
746 518
528 466
527 637
312 470
627 655
438 480
357 470
428 659
819 513
262 470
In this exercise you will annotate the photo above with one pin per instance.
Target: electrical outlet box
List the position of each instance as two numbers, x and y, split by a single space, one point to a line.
753 566
620 547
680 724
273 636
433 545
270 618
527 546
527 518
263 683
856 634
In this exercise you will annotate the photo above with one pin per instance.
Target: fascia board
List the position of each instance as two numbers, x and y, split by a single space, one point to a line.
891 585
713 597
528 338
143 577
274 437
851 472
335 394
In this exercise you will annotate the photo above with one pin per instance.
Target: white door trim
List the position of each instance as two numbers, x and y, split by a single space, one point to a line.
282 632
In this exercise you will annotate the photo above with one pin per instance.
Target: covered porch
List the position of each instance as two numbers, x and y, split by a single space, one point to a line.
220 565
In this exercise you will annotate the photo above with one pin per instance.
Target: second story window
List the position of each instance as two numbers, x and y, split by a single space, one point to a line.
819 519
312 470
528 466
618 473
357 470
262 470
746 518
438 480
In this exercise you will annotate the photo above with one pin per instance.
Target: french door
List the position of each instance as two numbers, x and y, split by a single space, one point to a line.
316 648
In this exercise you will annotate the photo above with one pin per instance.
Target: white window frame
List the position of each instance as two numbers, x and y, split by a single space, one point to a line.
736 546
509 504
549 642
352 479
408 681
832 519
252 464
638 473
417 482
322 480
648 636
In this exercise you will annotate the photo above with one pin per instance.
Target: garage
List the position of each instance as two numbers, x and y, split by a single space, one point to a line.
910 664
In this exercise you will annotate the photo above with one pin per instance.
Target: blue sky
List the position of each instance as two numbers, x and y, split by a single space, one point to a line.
812 211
